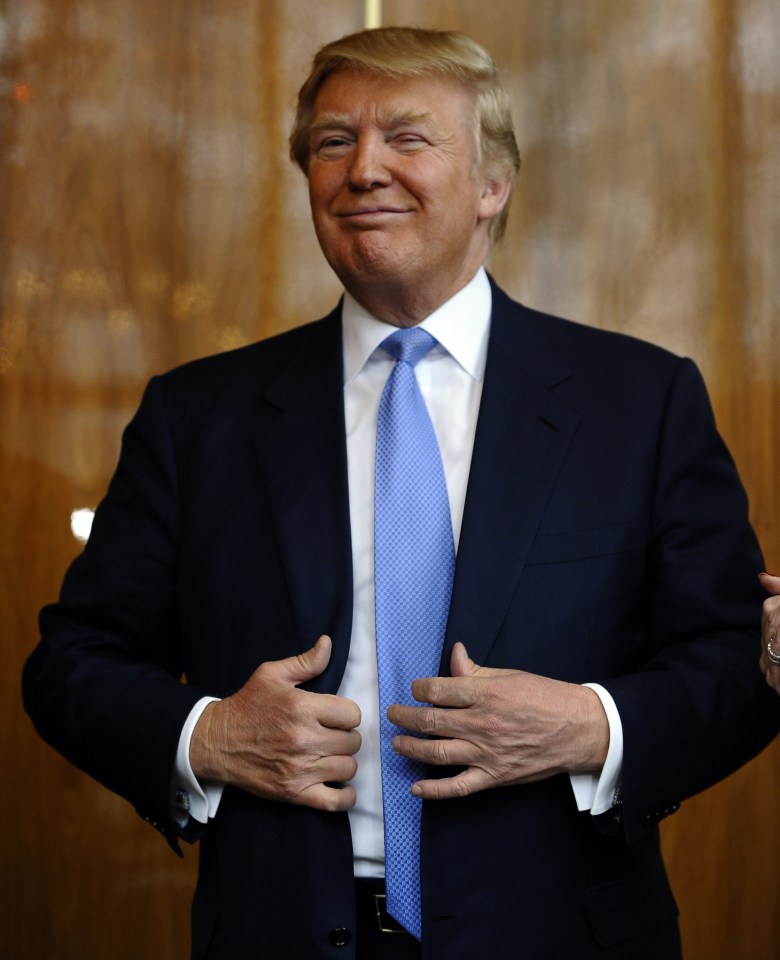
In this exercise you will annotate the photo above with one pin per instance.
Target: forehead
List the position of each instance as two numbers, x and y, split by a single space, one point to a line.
359 96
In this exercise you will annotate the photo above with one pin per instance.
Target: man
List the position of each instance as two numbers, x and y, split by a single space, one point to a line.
601 537
770 630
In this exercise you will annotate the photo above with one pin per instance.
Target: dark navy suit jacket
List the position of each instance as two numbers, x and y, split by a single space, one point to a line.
605 538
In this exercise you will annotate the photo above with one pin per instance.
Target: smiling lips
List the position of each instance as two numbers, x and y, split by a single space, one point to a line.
371 213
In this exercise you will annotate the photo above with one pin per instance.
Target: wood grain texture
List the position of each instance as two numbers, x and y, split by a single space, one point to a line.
149 214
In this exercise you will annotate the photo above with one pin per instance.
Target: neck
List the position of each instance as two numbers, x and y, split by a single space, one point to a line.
403 306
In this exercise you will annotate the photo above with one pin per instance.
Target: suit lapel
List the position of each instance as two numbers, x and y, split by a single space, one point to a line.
301 453
523 433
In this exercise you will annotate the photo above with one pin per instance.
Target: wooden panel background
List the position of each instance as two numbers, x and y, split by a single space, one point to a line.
148 214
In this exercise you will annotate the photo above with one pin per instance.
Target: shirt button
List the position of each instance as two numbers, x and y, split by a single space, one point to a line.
340 937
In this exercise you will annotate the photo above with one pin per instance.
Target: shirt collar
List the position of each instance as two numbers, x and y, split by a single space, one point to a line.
460 325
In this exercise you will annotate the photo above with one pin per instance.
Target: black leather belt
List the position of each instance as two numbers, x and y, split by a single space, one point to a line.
371 901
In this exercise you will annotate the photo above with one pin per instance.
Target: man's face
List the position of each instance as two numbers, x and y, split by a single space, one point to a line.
395 194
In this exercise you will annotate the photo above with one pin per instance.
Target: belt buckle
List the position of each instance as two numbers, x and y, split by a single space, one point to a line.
383 917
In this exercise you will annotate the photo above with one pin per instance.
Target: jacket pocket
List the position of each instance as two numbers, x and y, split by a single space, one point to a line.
582 544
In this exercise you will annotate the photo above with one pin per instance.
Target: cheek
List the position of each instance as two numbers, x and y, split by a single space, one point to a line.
321 188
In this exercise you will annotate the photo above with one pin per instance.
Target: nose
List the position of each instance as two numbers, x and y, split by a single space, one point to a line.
369 164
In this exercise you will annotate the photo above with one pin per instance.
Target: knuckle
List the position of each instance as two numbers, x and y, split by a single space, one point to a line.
287 790
495 726
263 671
348 768
460 787
428 721
298 741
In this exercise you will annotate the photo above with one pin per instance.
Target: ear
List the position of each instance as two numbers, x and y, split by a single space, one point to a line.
495 194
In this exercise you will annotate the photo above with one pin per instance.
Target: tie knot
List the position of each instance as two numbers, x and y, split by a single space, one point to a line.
409 344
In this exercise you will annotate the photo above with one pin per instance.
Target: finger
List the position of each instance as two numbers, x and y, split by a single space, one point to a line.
333 770
448 788
445 691
440 753
337 713
461 664
770 613
303 666
434 722
321 796
428 721
772 677
770 582
298 781
335 743
771 667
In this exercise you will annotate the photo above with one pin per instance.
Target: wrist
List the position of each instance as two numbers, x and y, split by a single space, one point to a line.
592 734
202 753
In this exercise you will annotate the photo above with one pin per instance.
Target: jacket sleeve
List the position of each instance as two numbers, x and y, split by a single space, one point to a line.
103 686
698 707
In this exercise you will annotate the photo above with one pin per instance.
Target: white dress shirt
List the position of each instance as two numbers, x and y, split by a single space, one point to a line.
450 377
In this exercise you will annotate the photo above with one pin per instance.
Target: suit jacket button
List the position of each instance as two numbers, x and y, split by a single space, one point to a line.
340 937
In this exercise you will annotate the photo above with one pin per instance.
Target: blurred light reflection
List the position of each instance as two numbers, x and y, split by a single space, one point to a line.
22 93
81 523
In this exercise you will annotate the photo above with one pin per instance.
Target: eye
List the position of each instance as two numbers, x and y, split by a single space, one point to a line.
408 141
331 146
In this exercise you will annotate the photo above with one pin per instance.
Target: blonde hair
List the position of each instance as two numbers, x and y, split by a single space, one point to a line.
401 52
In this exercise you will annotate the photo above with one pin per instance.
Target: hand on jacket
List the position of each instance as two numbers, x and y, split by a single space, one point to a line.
278 741
770 629
504 726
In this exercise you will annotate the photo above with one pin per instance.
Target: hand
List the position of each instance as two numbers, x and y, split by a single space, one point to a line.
279 742
504 726
770 629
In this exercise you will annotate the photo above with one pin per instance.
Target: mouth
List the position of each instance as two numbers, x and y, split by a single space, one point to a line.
371 214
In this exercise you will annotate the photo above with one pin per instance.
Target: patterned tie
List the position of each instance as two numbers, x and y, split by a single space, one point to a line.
414 559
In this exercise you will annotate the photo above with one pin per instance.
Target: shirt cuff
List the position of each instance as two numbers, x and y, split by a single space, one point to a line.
598 792
190 797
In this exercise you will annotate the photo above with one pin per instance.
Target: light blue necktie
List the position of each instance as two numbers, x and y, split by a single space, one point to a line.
414 559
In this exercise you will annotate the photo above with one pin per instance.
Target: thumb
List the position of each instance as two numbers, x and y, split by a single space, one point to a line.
307 665
770 582
461 664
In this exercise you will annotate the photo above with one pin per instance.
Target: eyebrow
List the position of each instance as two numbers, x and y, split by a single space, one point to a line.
389 121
